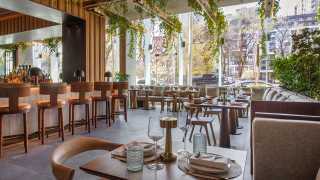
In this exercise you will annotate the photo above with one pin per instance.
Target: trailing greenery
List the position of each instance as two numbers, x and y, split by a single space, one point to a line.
262 15
216 22
170 30
300 71
52 44
119 77
13 47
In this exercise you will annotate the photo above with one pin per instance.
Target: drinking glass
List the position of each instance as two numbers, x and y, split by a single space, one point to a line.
135 158
155 133
199 143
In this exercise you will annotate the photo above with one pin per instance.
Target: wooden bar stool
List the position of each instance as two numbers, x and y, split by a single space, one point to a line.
13 92
103 87
122 97
53 90
82 88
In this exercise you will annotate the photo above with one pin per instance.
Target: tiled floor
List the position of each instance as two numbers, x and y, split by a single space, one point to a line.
36 164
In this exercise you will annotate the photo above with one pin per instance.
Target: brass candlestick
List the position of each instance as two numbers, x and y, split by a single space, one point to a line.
168 123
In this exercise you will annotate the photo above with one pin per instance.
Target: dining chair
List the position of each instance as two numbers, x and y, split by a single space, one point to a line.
53 90
13 92
203 122
72 148
104 88
122 97
81 88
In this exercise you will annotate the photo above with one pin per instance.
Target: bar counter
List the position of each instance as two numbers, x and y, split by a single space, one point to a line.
13 125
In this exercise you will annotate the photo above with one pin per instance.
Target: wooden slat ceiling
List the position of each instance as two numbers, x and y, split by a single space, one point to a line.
7 14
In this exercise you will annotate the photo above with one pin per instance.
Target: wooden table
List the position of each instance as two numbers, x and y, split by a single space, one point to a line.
225 125
146 99
133 98
107 167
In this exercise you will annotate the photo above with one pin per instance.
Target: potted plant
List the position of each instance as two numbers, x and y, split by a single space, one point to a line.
121 82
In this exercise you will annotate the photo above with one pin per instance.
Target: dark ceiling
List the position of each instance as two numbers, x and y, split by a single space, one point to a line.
5 12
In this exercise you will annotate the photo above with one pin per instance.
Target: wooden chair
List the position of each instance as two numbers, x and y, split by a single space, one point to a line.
203 122
13 92
53 90
103 87
122 97
82 88
72 148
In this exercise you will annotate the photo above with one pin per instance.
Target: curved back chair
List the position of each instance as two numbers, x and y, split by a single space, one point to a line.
81 88
74 147
120 96
13 92
53 90
103 87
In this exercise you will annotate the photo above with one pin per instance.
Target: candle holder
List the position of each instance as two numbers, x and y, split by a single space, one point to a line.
168 123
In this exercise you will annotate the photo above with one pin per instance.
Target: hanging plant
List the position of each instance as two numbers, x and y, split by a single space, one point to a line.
170 30
216 22
263 14
52 44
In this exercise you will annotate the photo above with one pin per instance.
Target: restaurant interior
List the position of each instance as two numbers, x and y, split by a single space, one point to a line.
160 89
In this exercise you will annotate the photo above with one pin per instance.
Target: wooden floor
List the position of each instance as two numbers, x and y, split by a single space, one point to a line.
36 164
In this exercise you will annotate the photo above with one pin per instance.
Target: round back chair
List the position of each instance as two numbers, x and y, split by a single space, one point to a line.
73 147
82 88
13 92
53 90
103 87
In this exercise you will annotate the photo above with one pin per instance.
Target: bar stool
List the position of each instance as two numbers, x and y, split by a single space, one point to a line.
120 87
53 90
103 87
13 92
82 88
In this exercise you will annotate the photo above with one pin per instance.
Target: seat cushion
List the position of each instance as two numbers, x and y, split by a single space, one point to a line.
23 107
100 98
76 101
46 103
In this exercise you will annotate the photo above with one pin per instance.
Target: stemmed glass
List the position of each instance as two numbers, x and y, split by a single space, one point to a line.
155 133
182 124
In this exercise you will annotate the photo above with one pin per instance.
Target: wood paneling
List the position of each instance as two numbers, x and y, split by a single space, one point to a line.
95 33
22 23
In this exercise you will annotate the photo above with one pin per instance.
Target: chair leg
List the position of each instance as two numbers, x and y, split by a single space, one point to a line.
191 132
61 123
72 119
88 117
92 109
109 114
125 110
185 135
0 135
25 128
207 132
200 130
162 106
214 137
95 114
69 117
219 117
112 109
39 123
42 126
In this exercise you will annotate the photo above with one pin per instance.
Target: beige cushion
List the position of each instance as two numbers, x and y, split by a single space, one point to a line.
318 175
285 149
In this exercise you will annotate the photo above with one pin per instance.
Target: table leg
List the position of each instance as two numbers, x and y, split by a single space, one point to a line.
224 129
233 122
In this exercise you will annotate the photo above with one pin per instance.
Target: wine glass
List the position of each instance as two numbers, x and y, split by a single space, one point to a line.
155 133
183 126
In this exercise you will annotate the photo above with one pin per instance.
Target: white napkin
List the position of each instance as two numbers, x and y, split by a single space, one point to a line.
208 161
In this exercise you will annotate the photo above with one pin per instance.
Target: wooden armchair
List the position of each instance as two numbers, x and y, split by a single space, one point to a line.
73 147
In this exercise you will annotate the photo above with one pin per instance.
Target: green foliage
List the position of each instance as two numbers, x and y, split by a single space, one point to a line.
119 77
216 22
170 30
52 44
300 71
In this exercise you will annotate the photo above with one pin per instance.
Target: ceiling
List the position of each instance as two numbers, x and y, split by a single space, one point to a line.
6 13
173 6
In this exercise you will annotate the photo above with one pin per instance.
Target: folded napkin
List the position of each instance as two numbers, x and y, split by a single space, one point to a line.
207 162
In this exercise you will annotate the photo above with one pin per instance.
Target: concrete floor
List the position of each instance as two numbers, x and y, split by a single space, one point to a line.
16 165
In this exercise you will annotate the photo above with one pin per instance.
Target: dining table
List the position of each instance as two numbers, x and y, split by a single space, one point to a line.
105 166
227 125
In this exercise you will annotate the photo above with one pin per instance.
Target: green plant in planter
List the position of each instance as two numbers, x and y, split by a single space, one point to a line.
170 30
52 44
300 72
120 77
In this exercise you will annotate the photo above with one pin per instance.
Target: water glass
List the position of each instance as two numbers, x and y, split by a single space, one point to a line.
199 143
135 158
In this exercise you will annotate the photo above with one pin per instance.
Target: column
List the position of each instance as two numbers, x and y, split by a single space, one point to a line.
131 61
190 50
122 50
147 54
